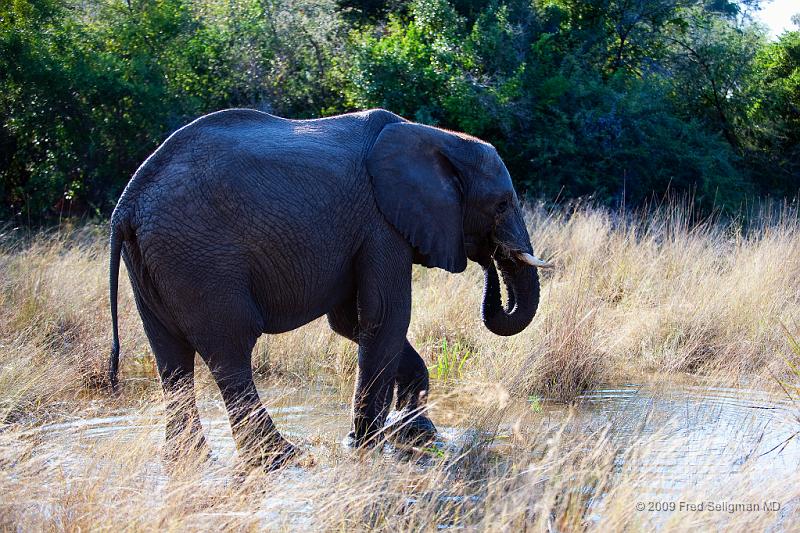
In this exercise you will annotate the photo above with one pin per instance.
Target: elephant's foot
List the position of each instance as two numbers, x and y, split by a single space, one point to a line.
366 433
409 428
352 442
190 450
280 457
272 456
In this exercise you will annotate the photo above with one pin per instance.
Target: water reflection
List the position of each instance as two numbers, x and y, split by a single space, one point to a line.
694 434
697 434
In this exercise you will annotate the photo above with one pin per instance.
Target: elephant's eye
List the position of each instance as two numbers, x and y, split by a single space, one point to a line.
502 206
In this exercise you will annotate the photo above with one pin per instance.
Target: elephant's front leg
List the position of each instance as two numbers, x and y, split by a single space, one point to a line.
409 424
378 358
384 311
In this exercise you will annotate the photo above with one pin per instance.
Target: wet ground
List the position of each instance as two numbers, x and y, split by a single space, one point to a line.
696 435
695 432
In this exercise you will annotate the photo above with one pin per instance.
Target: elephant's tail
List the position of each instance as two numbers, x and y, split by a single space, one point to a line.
116 249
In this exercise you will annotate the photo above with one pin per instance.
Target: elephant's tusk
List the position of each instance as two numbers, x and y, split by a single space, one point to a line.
532 260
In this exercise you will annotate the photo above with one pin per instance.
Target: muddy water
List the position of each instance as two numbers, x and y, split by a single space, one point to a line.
695 434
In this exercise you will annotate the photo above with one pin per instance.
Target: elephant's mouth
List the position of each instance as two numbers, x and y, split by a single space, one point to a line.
500 251
530 259
517 269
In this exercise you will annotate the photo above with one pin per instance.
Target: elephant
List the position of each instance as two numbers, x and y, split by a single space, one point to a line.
243 223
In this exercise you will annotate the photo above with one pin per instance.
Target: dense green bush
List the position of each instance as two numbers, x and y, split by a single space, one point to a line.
774 116
88 89
567 123
623 101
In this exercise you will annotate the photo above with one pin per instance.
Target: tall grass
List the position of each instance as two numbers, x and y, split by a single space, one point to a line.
631 296
540 477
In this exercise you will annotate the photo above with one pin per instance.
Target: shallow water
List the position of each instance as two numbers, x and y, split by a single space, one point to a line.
699 434
694 434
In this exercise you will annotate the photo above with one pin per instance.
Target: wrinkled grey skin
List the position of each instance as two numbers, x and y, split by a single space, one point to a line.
243 223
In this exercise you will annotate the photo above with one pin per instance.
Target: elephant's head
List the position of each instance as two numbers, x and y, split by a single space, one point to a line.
451 196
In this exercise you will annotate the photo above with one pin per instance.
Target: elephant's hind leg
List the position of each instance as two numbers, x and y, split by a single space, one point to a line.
228 355
257 439
175 361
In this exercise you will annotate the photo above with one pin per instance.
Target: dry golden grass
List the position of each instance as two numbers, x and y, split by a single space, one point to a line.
642 296
543 477
628 299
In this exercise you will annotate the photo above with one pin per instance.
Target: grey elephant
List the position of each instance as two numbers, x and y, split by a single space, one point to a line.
243 223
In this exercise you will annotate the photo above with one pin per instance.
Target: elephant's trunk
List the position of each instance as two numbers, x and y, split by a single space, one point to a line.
515 262
522 286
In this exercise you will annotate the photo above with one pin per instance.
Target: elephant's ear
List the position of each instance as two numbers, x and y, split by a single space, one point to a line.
418 191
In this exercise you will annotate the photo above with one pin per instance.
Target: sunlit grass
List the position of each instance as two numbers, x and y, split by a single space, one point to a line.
792 385
630 297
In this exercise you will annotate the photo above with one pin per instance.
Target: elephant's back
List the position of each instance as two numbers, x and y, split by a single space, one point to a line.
181 151
255 195
249 158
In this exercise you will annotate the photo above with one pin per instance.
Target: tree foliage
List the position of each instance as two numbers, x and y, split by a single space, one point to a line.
623 100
